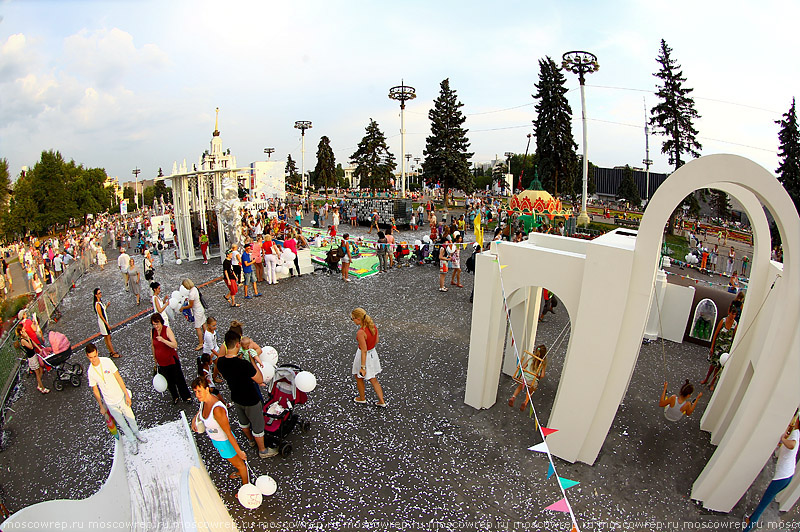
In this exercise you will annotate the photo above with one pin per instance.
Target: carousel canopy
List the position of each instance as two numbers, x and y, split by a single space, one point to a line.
537 201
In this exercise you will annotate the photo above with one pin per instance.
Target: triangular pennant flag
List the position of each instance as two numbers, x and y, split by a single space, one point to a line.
560 506
539 447
547 432
550 470
503 266
567 483
574 529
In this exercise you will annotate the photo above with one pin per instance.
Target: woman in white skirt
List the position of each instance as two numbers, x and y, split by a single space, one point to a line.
366 364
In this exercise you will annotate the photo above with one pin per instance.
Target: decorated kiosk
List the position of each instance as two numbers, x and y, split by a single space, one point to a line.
609 285
535 204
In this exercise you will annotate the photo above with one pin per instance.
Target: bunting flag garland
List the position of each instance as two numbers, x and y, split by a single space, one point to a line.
562 505
567 483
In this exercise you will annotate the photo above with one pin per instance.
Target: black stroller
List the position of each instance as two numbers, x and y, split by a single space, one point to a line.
332 259
279 417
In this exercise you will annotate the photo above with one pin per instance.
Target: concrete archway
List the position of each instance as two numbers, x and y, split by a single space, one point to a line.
607 285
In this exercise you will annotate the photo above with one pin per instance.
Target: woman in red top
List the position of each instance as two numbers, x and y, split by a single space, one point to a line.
165 353
270 259
366 364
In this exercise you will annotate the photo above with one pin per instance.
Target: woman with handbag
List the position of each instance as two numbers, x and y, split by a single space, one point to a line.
165 354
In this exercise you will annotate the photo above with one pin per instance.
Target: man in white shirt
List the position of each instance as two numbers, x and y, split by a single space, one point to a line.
58 265
112 396
123 262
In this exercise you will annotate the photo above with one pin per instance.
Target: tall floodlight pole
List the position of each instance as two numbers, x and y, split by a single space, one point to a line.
403 93
302 125
136 173
647 162
582 63
269 152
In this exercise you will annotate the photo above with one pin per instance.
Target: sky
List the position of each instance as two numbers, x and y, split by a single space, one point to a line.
123 84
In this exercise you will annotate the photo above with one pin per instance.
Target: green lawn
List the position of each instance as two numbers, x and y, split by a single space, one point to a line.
677 246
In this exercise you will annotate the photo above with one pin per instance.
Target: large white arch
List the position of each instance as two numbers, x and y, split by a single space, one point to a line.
607 284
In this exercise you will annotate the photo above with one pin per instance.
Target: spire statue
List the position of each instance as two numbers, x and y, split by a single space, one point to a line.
216 124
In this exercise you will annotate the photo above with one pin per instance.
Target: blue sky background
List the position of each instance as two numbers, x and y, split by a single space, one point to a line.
124 84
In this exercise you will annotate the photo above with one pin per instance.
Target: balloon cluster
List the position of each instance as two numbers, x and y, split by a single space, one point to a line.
692 259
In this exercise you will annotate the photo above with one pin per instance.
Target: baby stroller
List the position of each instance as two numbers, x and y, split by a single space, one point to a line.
332 259
56 357
279 417
402 255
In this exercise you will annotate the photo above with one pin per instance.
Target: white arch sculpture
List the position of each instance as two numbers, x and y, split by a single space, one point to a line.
606 285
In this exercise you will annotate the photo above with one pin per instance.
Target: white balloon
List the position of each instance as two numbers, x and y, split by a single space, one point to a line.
305 381
288 256
281 269
179 262
250 496
160 383
182 290
266 485
723 358
176 294
267 371
417 243
175 304
269 355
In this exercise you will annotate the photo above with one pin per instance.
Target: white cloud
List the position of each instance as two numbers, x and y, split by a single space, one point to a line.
106 57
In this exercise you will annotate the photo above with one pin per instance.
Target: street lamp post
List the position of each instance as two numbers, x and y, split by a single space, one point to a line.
582 63
402 93
408 164
302 125
136 173
508 155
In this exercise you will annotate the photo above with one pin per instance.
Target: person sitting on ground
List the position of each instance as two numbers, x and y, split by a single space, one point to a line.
676 406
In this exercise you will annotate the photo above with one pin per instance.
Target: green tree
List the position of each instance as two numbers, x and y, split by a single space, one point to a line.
340 179
789 154
555 146
161 189
499 175
127 193
89 191
292 175
720 204
374 162
22 210
51 179
446 155
5 183
673 117
148 194
627 189
325 171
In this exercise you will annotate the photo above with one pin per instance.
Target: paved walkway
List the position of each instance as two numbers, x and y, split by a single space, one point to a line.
427 460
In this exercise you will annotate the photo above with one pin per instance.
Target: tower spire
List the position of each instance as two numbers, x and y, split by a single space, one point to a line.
216 124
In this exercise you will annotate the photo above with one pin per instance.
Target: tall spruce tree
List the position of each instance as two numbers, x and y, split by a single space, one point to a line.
374 162
555 145
674 115
446 155
627 189
789 153
325 171
292 176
